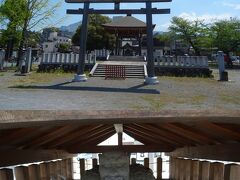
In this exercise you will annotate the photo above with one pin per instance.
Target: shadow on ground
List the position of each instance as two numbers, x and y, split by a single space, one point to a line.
63 86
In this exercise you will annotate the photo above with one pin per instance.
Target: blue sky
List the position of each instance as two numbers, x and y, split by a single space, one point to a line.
209 10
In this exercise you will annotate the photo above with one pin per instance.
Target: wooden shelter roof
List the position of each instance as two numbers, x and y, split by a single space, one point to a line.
127 25
70 132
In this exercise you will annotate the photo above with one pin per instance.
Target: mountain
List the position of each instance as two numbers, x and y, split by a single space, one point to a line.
70 28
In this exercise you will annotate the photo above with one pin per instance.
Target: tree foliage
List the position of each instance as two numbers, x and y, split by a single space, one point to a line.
226 35
97 38
195 33
223 35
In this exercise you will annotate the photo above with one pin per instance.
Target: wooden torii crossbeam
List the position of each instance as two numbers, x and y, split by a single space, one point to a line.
149 11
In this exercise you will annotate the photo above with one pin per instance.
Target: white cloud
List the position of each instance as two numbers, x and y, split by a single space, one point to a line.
235 6
208 18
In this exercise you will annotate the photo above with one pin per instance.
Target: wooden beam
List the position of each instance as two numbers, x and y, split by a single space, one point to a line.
127 148
225 152
13 136
12 157
166 137
120 11
48 136
145 137
92 136
190 134
113 1
83 131
98 139
221 131
29 118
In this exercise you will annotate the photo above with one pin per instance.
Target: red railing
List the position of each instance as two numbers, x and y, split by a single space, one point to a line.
115 72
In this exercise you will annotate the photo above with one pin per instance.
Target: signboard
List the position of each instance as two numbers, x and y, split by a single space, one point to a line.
114 1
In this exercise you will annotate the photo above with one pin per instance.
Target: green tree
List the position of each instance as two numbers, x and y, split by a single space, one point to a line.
226 35
64 48
11 17
36 13
98 38
195 33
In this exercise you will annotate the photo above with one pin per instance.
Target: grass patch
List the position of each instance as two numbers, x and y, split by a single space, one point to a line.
159 101
1 74
35 78
231 98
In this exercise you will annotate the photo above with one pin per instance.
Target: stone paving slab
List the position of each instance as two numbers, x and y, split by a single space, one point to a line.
181 93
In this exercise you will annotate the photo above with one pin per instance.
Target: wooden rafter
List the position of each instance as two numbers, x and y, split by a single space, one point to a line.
158 134
92 136
142 137
73 135
221 131
189 134
49 136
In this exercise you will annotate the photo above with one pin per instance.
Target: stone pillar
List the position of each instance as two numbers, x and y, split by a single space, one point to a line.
146 162
94 162
34 172
159 168
195 170
44 175
232 172
133 161
28 60
2 55
82 166
21 173
216 171
6 174
114 165
221 66
204 170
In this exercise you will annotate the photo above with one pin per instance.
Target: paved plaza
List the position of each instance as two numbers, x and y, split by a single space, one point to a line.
57 92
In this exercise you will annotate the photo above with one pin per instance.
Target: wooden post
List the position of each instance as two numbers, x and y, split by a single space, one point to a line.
82 166
177 172
34 172
94 162
146 162
133 161
172 162
216 171
187 167
232 172
120 141
159 168
204 170
6 174
21 173
63 168
69 169
43 172
195 170
181 167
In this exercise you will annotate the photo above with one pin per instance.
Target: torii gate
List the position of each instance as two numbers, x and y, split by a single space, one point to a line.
149 11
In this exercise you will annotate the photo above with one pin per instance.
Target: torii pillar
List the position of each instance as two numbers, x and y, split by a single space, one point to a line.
81 76
151 79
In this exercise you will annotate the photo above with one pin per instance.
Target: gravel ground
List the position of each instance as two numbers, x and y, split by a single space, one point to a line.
57 92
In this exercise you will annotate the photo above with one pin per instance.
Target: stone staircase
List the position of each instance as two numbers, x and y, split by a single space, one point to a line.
127 58
135 66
